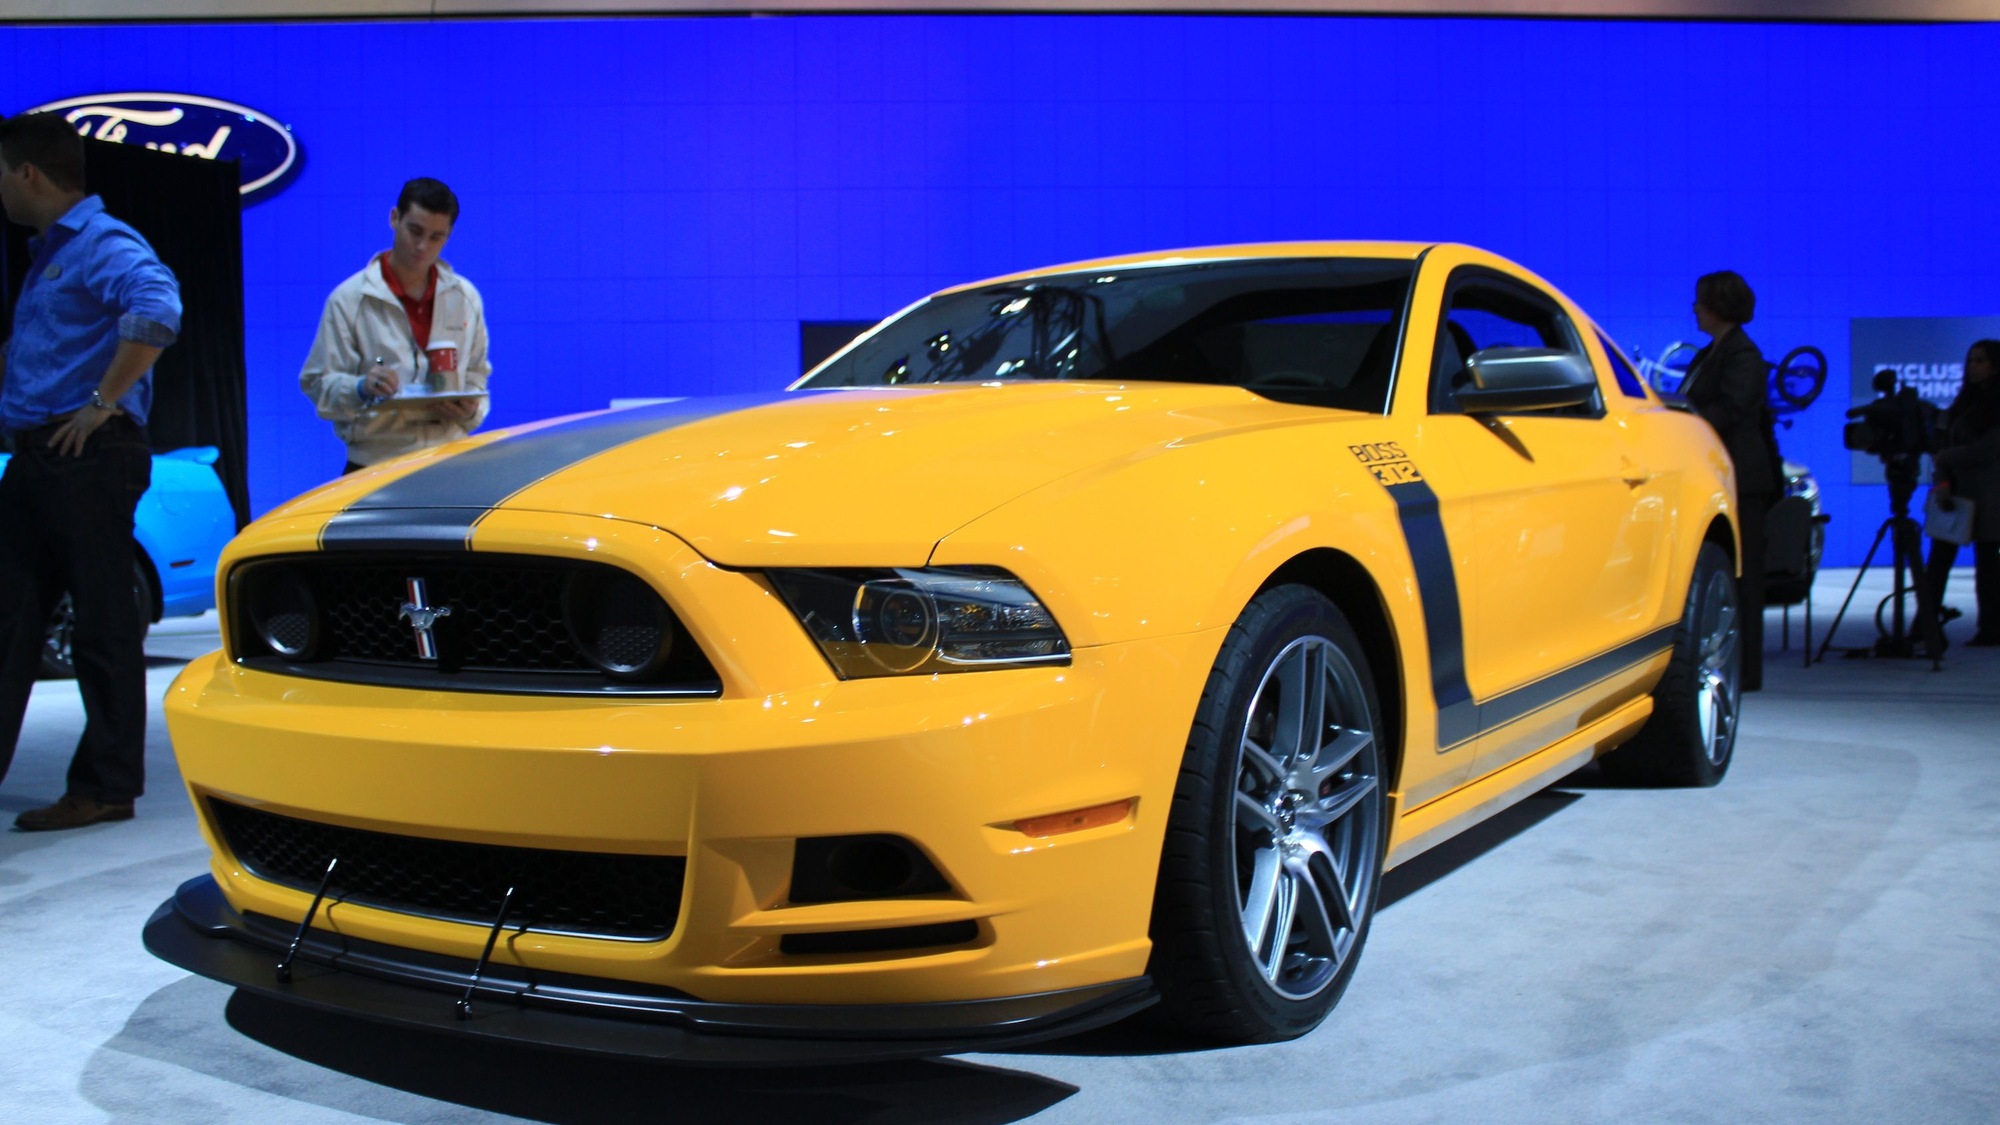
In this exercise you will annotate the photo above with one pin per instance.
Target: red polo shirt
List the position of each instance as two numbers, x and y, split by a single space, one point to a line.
419 309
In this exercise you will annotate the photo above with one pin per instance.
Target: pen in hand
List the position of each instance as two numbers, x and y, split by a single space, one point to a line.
368 400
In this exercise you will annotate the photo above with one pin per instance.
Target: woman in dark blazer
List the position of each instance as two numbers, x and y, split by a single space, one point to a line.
1968 467
1726 385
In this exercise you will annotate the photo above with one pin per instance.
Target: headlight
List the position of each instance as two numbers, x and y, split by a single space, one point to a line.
282 612
938 619
618 622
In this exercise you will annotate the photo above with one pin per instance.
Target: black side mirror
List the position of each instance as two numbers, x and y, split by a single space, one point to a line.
1505 380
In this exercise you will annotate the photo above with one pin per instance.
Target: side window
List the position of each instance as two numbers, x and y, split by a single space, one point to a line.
1628 380
1487 311
1331 359
1316 347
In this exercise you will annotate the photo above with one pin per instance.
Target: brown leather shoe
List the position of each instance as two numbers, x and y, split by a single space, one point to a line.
72 812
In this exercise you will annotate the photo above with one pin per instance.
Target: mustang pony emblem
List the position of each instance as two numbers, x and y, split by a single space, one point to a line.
423 617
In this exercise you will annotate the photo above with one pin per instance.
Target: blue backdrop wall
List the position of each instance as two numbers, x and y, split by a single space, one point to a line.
653 206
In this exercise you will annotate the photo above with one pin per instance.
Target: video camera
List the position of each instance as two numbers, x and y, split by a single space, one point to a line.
1896 426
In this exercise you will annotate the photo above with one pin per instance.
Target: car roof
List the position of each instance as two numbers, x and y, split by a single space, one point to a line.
1404 251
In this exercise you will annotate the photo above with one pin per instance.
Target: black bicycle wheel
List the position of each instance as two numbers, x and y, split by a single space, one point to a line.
1800 377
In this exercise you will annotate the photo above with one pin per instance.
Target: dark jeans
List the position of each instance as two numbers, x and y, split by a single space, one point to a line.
1985 580
66 524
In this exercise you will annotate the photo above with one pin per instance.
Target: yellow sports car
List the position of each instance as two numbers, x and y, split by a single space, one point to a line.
1070 642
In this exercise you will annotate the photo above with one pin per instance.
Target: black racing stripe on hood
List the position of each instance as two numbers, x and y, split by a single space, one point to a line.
437 507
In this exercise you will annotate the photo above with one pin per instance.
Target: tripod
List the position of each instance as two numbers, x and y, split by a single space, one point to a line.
1906 545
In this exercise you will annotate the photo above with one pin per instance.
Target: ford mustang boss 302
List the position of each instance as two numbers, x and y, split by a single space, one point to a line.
1068 643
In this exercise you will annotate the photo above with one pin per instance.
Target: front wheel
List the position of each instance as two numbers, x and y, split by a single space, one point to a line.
1274 847
1691 737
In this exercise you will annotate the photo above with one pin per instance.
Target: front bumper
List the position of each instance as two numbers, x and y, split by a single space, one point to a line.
199 931
727 788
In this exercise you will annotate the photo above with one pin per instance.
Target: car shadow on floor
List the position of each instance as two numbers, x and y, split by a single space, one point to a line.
1415 874
560 1087
1139 1036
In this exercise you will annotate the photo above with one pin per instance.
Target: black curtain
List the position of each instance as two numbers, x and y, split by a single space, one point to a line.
191 210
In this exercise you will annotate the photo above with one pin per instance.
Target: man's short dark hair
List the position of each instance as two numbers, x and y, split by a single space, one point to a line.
1727 295
431 195
46 141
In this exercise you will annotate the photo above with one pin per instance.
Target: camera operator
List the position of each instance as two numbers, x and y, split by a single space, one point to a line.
1967 466
1726 385
1896 428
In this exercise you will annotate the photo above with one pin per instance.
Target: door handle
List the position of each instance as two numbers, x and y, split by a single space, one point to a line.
1633 475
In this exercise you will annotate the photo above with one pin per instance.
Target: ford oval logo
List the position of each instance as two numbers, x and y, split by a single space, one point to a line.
195 126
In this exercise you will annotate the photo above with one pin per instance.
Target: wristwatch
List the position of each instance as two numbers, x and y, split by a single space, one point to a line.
97 400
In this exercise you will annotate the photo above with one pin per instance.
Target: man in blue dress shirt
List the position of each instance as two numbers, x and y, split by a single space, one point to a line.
95 311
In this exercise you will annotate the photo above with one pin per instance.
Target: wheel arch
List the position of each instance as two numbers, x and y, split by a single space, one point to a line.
1348 585
1721 532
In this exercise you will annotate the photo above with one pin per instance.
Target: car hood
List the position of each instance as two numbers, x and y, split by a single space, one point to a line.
827 478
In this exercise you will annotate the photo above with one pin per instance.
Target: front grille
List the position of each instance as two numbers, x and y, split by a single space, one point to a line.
504 624
507 616
629 897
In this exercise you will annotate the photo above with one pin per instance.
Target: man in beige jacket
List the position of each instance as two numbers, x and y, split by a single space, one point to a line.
399 363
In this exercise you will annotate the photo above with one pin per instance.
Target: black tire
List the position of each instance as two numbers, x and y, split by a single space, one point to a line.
57 661
1275 816
1691 738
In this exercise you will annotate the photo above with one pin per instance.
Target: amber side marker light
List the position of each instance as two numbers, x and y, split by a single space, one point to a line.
1075 820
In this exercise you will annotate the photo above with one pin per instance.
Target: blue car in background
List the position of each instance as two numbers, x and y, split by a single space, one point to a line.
179 530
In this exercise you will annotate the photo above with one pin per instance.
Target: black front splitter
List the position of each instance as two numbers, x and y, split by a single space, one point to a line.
199 931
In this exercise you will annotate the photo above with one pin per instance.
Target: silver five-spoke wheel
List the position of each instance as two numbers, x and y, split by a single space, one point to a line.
1719 664
1306 835
1691 736
1273 856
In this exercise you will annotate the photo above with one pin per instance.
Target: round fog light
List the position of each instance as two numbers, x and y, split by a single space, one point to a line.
284 614
618 623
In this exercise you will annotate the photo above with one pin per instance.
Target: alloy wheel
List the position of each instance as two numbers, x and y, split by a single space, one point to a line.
1719 666
1307 818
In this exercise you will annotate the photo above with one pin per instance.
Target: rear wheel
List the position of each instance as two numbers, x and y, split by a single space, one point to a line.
1274 844
1691 737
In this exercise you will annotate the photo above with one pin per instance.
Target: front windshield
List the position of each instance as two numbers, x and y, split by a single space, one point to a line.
1320 331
